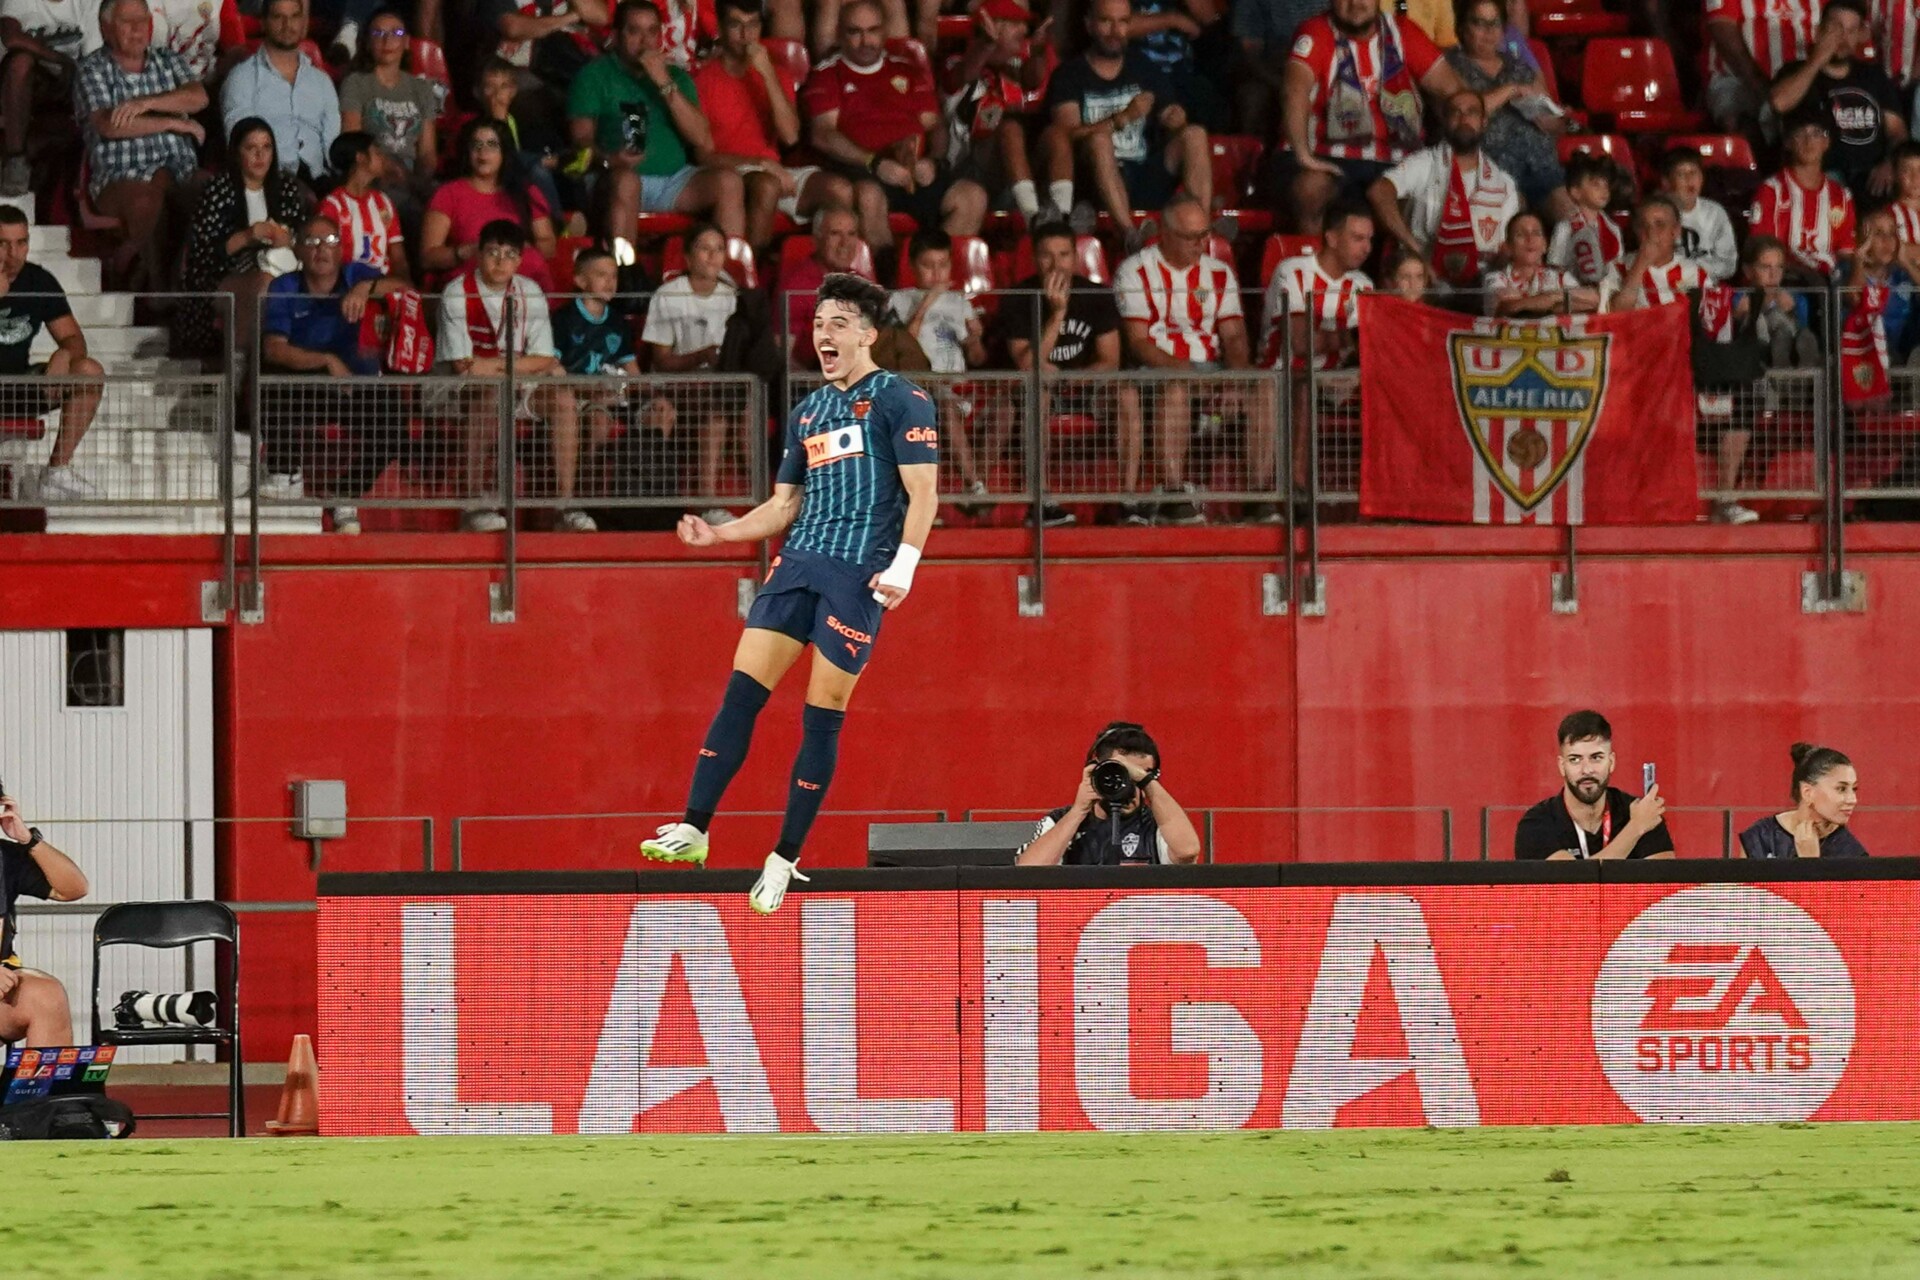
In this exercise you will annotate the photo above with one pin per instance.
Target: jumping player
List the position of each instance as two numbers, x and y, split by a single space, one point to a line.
866 452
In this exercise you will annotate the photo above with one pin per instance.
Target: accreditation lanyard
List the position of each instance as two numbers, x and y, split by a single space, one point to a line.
1606 830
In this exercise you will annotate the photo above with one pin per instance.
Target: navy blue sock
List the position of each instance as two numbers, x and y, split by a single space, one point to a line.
812 771
726 746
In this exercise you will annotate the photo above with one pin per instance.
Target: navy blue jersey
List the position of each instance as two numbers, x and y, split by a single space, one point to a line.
847 448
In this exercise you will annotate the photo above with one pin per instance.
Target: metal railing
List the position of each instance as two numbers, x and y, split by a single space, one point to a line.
260 448
1361 833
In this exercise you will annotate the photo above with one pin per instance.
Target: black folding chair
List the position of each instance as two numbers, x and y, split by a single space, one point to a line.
178 924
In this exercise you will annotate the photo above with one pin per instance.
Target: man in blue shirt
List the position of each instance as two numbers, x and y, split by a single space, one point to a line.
864 453
281 86
310 324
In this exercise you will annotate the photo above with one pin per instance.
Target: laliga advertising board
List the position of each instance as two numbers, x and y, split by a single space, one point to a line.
1128 1009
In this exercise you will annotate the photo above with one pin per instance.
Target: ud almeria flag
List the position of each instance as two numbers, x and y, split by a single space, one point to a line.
1570 420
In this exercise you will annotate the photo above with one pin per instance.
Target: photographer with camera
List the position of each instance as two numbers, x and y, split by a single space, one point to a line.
1123 814
33 1005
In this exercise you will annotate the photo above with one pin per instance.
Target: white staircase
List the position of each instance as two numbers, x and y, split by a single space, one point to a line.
154 447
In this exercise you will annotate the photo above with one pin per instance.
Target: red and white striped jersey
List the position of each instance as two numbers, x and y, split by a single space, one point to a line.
1302 286
1906 222
1776 31
1507 282
1348 119
1586 244
1660 285
1816 225
1895 24
1182 309
369 227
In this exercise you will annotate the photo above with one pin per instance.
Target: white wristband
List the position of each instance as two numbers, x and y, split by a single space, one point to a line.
900 572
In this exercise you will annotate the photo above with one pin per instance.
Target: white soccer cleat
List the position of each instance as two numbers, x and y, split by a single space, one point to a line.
676 842
770 890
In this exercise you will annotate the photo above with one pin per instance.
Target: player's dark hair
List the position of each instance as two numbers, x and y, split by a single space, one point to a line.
1582 725
1812 763
1340 213
928 239
347 150
1680 157
13 216
863 295
504 232
1123 736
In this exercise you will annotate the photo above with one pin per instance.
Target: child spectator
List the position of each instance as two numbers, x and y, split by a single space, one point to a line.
1409 276
942 321
1527 286
1706 233
1803 208
591 337
686 326
1876 303
1589 242
1906 192
536 145
369 225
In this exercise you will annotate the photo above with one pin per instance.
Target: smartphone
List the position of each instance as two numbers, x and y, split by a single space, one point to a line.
1646 778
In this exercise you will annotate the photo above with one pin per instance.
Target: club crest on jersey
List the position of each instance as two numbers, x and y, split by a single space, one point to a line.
861 408
834 445
1540 376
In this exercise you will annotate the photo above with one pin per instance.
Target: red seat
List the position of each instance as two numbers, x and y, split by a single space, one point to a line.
1278 249
91 219
1236 178
1634 83
1090 260
23 428
913 51
795 250
1579 23
1612 145
956 28
790 60
655 226
429 61
972 271
673 262
565 250
1543 58
1718 150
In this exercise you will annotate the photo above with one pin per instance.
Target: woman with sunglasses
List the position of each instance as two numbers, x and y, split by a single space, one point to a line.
488 185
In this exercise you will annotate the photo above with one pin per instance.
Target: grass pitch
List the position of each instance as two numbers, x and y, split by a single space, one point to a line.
1794 1200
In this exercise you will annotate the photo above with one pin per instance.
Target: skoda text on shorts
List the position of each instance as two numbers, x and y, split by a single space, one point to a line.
855 496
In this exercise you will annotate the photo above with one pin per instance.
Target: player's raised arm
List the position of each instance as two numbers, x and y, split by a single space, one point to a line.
766 520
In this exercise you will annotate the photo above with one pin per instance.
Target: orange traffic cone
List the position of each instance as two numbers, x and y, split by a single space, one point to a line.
300 1095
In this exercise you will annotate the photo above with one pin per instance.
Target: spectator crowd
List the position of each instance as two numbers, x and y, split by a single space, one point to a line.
660 184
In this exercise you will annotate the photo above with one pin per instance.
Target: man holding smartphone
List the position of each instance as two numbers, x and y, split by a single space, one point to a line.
33 1005
1588 818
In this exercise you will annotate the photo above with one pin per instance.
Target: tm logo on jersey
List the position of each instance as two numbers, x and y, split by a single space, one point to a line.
1723 1003
834 445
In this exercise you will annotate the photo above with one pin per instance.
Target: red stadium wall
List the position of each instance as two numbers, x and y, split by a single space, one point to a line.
1013 1009
1434 679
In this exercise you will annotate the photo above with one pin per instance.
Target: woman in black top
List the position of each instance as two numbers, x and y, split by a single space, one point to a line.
241 238
1825 791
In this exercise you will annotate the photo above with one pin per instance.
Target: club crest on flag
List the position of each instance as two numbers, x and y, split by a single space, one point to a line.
1529 396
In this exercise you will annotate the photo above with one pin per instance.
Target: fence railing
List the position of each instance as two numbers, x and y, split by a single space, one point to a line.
537 436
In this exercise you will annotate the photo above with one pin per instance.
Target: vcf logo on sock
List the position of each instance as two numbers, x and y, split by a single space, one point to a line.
1724 1003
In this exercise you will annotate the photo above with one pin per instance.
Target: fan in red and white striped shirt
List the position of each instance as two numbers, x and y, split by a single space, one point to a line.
1307 288
1657 274
1895 24
1906 192
369 226
1182 307
1775 32
1805 209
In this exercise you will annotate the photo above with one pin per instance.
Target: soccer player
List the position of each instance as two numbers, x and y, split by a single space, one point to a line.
865 453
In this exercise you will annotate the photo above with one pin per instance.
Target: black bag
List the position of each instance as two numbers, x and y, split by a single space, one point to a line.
82 1116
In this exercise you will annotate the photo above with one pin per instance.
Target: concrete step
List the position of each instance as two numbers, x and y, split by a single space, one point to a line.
137 518
112 346
45 241
101 310
76 275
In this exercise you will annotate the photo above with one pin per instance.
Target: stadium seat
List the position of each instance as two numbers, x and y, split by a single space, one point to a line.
1633 84
913 51
790 60
972 265
795 250
673 262
565 249
167 925
654 226
1236 172
91 219
1090 258
1278 249
1612 145
1729 151
956 28
429 61
1543 58
1581 19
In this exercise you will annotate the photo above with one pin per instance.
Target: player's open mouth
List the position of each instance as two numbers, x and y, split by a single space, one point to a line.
827 350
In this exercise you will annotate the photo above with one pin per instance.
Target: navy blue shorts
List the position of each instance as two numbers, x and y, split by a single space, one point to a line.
822 602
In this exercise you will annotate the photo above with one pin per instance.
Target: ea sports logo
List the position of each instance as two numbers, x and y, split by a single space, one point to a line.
1723 1002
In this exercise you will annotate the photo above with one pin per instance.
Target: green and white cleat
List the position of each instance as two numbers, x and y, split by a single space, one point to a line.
770 890
677 842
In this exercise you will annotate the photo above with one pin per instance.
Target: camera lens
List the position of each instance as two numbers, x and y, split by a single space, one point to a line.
1112 782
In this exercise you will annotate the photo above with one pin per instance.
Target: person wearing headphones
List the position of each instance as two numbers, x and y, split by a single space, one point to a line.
1123 814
